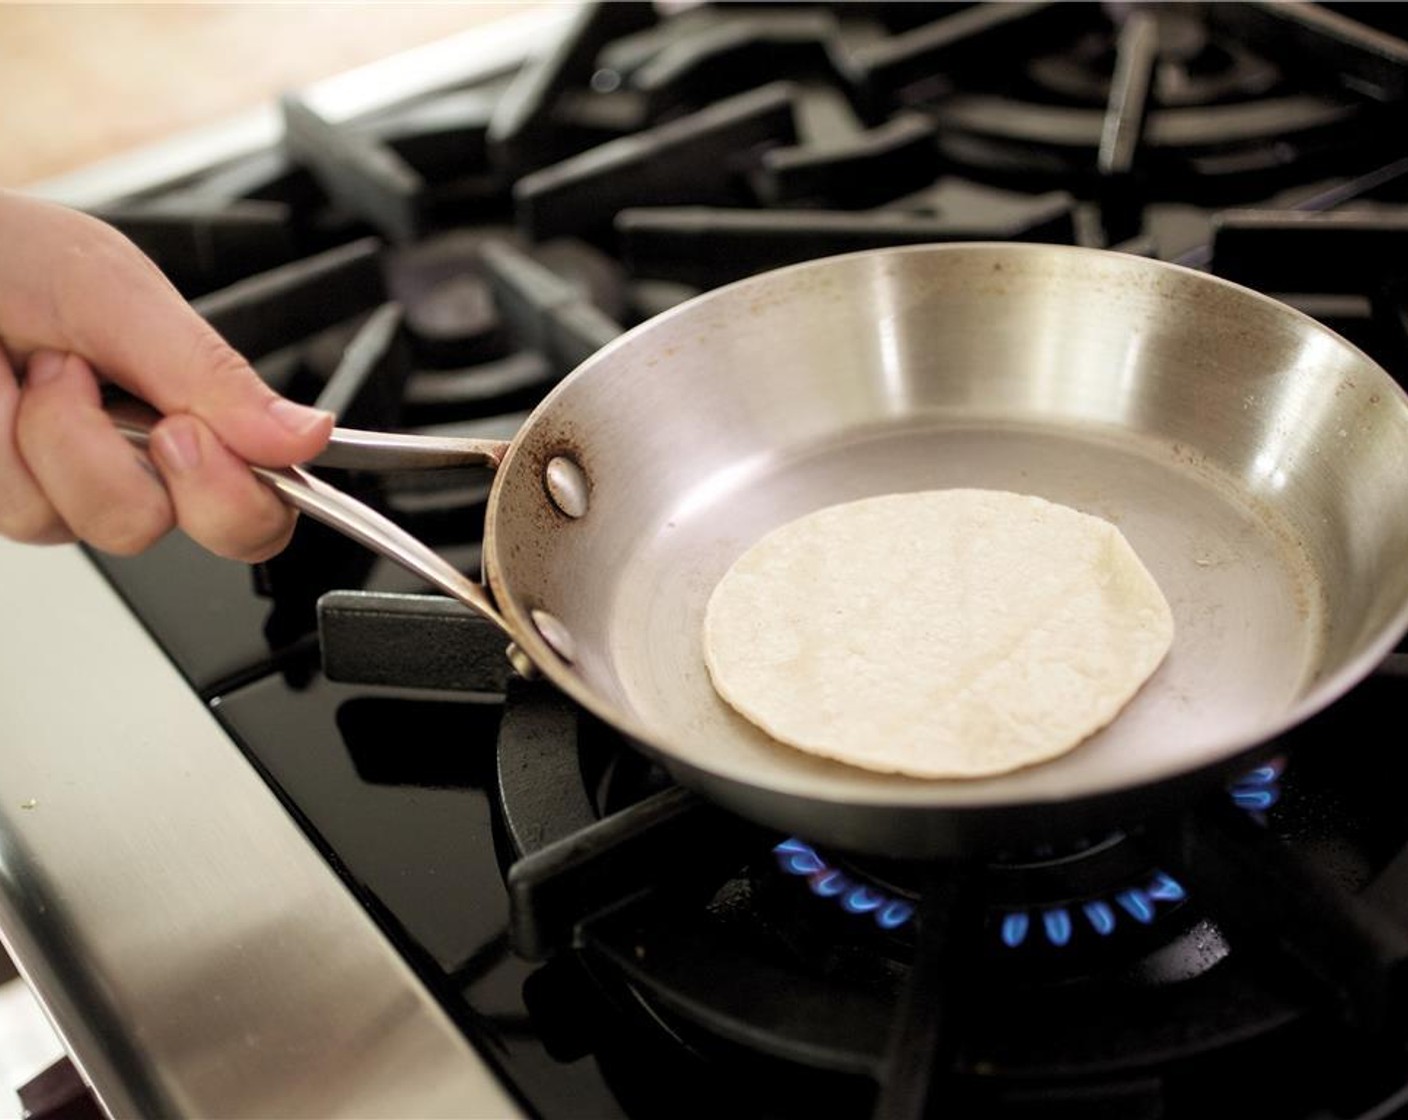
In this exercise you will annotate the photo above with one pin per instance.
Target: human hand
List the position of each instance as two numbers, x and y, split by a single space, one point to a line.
78 301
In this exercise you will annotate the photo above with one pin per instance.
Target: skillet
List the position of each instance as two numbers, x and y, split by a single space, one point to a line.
1256 462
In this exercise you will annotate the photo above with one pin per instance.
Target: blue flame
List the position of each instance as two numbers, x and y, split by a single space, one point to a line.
1165 888
1137 905
1100 916
1060 930
894 914
798 858
1257 790
1255 800
1014 929
1058 925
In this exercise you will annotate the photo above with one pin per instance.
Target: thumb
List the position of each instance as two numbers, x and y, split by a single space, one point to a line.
113 306
201 374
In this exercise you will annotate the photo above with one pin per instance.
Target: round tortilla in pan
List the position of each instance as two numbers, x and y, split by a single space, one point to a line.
941 634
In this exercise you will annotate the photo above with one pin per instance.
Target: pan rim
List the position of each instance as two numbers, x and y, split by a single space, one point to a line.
1320 695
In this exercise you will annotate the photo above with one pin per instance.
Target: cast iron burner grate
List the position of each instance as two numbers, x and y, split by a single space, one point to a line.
691 910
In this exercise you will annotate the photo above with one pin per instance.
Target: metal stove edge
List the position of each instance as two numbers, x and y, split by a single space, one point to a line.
196 954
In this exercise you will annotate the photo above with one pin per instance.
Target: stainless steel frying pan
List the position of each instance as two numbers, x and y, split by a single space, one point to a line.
1257 463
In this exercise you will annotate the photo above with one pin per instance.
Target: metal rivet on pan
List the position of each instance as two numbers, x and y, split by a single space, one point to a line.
521 662
567 486
555 634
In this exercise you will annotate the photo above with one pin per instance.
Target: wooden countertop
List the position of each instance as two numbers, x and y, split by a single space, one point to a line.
82 82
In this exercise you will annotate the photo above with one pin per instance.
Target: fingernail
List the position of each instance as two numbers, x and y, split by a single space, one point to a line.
44 365
297 418
177 446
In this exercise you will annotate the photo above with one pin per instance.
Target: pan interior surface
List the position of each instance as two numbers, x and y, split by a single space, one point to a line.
1247 607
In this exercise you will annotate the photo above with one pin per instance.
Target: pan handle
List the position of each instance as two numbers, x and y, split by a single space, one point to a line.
357 520
353 449
347 448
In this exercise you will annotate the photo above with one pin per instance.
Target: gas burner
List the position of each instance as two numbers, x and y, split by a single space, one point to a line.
798 858
1194 67
1101 914
1099 882
891 907
1201 152
1164 103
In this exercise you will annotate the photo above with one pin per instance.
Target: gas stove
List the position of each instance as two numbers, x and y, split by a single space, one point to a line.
296 839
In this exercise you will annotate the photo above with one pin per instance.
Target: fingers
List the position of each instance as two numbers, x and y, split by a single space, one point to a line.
74 283
67 473
25 513
218 502
100 487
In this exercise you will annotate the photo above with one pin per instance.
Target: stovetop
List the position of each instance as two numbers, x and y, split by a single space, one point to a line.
611 943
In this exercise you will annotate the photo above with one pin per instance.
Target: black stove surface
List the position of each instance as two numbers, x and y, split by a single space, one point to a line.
613 944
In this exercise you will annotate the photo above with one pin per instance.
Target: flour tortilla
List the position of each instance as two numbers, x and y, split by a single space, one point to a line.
943 634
